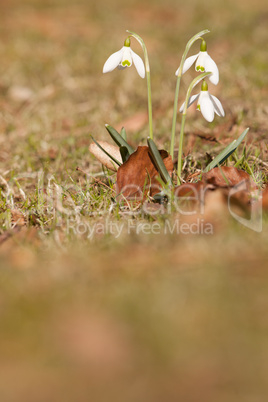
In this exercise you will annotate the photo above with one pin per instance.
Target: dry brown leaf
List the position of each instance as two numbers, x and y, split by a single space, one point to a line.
102 157
225 176
138 176
17 218
190 189
265 199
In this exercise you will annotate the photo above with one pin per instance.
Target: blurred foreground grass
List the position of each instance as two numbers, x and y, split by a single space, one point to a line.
142 317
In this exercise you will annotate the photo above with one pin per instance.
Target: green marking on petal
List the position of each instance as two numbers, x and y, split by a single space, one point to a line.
198 68
126 63
202 69
198 107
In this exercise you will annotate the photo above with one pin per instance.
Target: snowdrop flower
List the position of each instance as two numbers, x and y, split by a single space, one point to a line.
124 58
204 63
206 103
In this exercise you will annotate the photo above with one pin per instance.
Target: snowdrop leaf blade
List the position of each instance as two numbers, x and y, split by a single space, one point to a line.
124 153
123 133
210 65
241 137
223 155
159 161
118 139
188 63
219 159
113 61
138 62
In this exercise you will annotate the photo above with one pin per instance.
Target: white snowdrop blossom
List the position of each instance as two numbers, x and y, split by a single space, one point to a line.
203 63
124 58
206 103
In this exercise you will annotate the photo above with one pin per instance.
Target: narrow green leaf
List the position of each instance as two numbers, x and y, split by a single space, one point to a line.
124 153
159 161
118 139
219 159
103 150
123 133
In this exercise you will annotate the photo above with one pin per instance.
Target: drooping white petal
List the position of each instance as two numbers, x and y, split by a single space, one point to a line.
113 61
126 60
206 106
210 65
200 62
217 106
192 99
138 63
188 63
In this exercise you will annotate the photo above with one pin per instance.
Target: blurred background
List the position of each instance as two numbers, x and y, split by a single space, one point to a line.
55 50
140 318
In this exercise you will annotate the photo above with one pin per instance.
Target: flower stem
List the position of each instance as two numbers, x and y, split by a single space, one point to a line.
174 119
148 77
180 147
195 81
187 48
150 111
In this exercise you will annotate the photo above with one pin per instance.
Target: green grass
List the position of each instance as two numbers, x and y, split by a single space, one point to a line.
149 315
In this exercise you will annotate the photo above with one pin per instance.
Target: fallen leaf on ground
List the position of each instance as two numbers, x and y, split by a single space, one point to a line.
138 176
191 189
17 218
225 176
265 199
102 157
238 186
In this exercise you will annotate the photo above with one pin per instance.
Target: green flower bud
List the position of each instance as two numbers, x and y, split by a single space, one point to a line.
203 46
204 86
127 42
